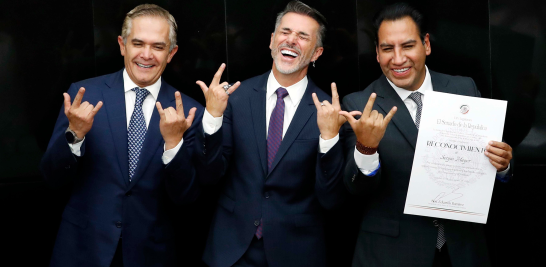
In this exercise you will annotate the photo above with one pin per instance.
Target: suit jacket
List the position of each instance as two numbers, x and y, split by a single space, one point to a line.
104 204
388 237
290 199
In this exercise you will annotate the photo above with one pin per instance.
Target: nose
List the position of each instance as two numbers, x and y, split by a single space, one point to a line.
291 39
146 53
399 57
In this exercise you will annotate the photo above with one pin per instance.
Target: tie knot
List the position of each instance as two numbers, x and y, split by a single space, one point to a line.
141 94
281 93
416 97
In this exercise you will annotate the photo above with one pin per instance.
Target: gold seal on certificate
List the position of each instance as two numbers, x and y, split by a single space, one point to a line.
451 178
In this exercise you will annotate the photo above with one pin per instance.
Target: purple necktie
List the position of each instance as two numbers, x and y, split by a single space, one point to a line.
274 136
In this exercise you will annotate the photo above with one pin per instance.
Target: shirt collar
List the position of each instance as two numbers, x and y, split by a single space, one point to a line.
295 91
128 84
425 87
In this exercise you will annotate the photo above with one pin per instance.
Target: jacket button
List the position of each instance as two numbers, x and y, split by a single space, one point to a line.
67 167
256 222
204 151
129 193
118 224
266 195
435 222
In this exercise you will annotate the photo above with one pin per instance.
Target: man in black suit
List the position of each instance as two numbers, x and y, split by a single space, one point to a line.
380 161
276 149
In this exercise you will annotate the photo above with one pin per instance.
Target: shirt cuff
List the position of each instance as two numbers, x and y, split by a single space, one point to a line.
76 148
502 175
367 164
326 145
169 155
211 124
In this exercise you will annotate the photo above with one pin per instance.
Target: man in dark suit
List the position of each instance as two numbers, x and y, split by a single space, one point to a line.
128 159
276 150
380 160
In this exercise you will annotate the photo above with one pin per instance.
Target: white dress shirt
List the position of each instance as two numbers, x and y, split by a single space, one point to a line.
369 163
148 107
295 94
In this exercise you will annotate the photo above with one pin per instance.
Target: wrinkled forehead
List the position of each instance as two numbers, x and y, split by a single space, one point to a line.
299 23
150 28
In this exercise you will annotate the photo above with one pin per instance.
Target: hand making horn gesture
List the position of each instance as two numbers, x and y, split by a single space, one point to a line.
217 94
329 119
80 115
173 123
371 126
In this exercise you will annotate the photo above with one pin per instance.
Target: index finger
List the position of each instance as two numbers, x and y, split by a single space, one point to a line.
501 145
335 96
369 106
317 102
160 110
389 116
179 106
218 75
78 98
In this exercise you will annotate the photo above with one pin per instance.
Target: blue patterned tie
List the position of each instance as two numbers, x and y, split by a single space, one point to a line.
274 136
136 131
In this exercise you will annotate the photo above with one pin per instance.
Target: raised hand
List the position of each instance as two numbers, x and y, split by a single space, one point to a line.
173 123
80 115
499 154
215 94
329 119
371 126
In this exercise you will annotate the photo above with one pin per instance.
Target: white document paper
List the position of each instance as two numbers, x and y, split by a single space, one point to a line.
451 177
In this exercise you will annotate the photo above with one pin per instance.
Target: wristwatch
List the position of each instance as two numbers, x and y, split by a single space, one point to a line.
71 136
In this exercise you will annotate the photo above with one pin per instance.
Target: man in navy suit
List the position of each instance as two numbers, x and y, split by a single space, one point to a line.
277 153
380 159
127 156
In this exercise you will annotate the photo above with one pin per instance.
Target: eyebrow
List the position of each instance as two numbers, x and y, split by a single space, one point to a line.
135 40
299 33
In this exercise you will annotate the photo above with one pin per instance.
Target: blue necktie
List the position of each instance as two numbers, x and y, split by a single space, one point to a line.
274 137
136 131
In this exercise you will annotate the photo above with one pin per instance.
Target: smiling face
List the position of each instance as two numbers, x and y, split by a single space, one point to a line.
401 53
293 44
146 52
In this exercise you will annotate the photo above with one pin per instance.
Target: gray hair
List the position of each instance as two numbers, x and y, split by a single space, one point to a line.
303 9
152 11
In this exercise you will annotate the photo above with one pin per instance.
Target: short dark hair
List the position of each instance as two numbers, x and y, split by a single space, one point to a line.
303 9
399 11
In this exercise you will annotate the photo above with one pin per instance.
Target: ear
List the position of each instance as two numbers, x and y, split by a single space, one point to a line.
271 41
427 45
317 53
377 53
121 45
171 54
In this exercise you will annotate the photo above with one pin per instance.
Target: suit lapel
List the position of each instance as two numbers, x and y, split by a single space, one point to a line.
115 110
386 99
153 134
257 106
305 109
439 84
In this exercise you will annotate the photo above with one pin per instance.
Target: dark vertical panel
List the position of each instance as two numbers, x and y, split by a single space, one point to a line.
201 40
249 28
458 33
43 47
518 49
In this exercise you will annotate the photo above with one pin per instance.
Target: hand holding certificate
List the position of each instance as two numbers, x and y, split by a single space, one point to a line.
455 164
